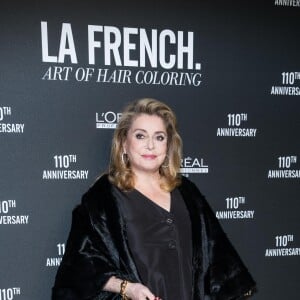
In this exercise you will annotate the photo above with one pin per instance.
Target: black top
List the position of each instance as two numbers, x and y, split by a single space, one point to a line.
160 242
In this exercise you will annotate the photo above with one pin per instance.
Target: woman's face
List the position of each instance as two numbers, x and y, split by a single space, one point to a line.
146 144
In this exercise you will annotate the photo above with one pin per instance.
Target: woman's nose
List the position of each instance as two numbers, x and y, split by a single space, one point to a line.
150 144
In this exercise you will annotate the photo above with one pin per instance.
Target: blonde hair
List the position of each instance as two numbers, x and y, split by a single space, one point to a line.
120 173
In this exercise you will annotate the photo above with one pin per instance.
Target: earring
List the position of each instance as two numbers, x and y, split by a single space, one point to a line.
124 158
166 160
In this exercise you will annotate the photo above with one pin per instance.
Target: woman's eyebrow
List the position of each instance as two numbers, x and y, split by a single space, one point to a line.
156 132
139 129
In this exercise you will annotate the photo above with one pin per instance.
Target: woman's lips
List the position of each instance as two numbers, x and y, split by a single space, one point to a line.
149 156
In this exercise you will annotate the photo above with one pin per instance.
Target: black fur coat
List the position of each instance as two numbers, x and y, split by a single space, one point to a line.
97 249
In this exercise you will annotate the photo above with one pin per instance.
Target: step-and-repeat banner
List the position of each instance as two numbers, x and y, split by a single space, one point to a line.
229 69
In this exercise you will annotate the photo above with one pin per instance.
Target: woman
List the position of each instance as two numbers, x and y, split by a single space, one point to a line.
145 232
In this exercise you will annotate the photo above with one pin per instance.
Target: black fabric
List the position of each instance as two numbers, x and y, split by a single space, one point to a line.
97 248
160 243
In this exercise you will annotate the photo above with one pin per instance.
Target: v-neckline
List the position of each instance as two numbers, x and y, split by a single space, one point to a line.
154 203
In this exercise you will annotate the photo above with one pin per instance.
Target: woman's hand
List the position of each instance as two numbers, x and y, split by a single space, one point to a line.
137 291
134 291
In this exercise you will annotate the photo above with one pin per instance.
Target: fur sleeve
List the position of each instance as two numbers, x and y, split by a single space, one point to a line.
89 261
222 270
227 277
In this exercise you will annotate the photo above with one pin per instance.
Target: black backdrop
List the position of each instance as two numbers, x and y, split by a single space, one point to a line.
236 96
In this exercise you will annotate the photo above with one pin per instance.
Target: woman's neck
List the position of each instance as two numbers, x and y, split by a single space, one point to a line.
147 180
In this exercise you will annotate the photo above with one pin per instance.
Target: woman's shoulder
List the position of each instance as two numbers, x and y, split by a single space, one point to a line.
187 184
101 184
191 191
98 194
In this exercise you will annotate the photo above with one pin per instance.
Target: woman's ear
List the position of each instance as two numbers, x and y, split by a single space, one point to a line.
124 147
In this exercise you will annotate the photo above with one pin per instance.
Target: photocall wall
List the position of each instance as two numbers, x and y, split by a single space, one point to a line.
229 69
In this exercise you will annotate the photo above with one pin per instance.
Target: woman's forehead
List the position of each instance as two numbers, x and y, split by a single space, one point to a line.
149 123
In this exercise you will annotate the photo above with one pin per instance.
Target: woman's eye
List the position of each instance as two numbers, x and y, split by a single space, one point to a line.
160 138
139 136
